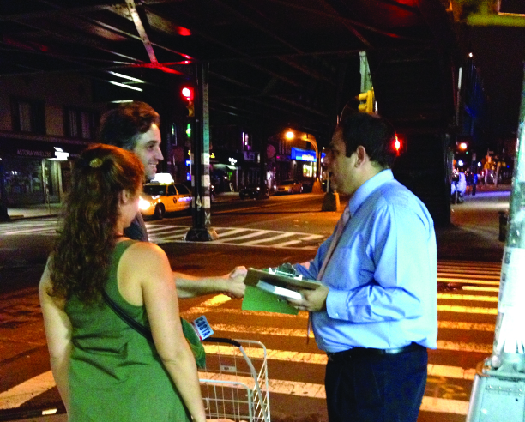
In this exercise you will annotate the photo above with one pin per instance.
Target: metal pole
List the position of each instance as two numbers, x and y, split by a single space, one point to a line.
499 386
200 158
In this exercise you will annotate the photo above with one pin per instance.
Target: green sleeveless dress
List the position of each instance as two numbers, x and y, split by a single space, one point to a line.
115 374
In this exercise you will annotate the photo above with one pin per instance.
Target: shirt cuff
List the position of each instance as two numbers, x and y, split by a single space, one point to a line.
336 304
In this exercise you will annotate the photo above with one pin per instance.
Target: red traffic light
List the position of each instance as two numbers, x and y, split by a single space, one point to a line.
187 93
397 145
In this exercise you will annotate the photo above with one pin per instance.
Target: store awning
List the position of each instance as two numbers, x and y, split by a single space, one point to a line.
30 148
224 167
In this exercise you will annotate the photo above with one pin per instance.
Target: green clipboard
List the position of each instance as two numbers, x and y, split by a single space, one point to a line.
256 299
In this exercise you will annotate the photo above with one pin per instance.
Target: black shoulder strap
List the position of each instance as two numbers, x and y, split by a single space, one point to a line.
139 328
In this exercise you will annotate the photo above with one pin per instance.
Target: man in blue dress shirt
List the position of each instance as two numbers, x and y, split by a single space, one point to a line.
376 312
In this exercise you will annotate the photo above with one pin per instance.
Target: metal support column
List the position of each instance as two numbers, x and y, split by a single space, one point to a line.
200 162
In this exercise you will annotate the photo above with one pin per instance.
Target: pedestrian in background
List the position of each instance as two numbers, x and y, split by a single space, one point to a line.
376 311
104 369
135 127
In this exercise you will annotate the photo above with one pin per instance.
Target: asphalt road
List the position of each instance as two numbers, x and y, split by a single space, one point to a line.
296 370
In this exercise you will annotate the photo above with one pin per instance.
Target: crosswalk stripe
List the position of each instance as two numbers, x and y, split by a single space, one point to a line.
269 239
23 392
301 332
459 296
467 309
477 326
19 394
481 288
456 280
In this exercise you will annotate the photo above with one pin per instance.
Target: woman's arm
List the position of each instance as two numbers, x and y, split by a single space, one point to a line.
231 284
160 298
58 335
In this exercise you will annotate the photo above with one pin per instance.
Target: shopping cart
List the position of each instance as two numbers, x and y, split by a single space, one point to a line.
235 382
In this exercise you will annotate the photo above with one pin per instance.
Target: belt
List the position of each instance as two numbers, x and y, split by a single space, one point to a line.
356 352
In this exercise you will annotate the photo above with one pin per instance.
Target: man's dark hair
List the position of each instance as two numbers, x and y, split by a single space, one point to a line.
122 126
374 133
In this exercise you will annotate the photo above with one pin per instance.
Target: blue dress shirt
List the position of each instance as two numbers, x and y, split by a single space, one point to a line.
382 276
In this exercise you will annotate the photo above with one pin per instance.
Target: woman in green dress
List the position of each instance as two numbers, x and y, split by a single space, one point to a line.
104 369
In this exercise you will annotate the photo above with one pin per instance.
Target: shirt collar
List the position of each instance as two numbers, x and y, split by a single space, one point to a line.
366 189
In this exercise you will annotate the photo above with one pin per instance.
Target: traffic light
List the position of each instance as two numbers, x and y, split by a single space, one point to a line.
398 145
366 101
188 94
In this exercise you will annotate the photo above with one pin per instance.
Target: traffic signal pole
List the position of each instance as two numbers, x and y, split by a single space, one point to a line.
200 161
498 394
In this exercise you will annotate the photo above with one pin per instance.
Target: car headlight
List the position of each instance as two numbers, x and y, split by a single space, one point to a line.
143 204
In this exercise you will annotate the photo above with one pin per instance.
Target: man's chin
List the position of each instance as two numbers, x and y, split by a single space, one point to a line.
151 173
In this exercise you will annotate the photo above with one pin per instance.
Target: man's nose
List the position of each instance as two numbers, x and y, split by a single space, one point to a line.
158 154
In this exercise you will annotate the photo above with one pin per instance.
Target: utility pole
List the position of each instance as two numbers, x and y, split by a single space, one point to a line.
498 394
200 161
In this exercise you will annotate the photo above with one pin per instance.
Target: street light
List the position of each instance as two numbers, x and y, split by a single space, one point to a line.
289 135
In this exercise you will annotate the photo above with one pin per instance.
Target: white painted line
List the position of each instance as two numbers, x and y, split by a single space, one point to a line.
467 309
465 347
205 310
481 289
16 396
268 239
245 236
223 232
478 326
460 296
439 405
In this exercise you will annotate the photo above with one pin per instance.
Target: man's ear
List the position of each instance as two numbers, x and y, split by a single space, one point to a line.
361 154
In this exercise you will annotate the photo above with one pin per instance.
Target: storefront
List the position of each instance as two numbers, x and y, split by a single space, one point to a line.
304 163
224 171
34 172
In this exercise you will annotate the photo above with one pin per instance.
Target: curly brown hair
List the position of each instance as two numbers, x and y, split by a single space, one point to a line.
82 252
123 125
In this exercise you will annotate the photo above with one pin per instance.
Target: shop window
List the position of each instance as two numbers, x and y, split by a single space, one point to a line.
79 123
28 115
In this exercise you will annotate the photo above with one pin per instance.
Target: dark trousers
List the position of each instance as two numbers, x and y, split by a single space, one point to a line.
376 388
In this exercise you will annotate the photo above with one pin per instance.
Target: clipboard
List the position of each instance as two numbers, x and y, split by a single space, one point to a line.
254 276
257 299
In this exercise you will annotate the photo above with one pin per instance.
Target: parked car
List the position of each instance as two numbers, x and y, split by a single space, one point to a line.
289 186
159 198
251 191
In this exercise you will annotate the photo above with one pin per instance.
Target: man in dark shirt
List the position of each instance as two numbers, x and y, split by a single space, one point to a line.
135 126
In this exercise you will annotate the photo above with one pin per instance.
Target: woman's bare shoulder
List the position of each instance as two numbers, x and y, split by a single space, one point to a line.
144 254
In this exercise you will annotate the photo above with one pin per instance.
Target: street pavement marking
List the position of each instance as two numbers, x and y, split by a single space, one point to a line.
19 394
301 332
239 236
467 309
478 326
461 281
481 288
269 239
439 405
460 296
204 309
465 347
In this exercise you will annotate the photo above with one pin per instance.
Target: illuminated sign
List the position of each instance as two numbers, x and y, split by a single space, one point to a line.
232 161
300 154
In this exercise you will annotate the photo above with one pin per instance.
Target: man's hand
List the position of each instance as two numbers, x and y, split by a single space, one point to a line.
314 300
235 283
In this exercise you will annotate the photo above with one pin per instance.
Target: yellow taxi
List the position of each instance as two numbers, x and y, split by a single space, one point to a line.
159 198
